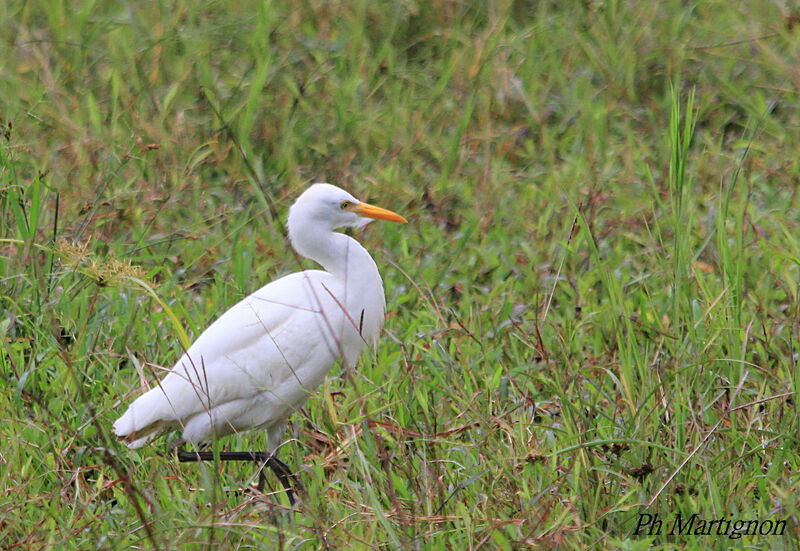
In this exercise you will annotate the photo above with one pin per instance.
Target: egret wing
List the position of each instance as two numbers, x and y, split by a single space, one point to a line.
275 346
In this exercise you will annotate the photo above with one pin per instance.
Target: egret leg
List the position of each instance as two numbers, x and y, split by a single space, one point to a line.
284 474
281 470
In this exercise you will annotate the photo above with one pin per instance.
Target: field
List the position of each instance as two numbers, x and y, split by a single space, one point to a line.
593 312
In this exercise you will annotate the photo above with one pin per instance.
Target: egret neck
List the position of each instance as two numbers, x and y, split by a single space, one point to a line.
340 255
360 288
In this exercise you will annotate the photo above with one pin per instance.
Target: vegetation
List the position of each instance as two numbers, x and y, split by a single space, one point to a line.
593 312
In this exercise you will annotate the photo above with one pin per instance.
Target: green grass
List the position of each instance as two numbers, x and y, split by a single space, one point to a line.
592 313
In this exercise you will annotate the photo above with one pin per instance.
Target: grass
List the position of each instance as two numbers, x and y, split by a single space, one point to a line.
593 312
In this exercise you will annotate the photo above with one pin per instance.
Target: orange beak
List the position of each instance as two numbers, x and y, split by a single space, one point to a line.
371 211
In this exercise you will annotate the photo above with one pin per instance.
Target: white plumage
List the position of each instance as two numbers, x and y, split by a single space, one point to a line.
261 359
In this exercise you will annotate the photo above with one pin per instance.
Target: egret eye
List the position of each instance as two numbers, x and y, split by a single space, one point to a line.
345 205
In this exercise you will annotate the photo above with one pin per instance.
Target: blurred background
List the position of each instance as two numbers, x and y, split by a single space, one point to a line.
594 306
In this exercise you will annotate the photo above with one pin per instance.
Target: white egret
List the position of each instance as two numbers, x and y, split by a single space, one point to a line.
260 360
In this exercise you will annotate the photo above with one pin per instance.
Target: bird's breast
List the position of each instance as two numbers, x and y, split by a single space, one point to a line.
352 315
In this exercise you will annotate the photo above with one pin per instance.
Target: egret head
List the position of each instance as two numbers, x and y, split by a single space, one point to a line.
335 208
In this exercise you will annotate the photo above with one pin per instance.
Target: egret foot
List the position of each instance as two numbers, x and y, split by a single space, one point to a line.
281 470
